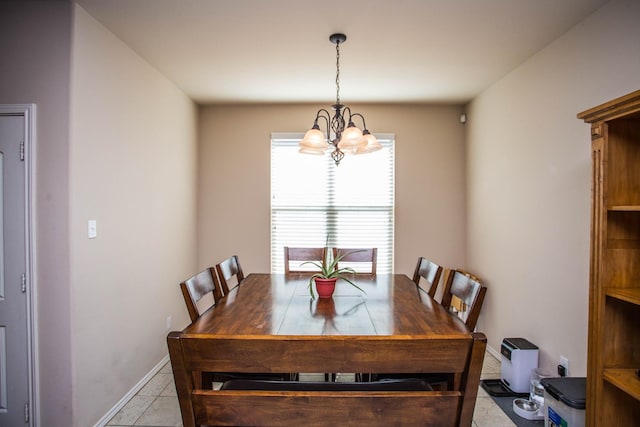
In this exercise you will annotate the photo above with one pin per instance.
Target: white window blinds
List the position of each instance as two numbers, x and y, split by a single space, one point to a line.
311 198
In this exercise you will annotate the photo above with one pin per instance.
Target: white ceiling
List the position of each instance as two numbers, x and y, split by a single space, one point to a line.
220 51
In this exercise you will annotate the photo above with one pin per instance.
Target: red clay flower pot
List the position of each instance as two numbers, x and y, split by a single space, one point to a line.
325 287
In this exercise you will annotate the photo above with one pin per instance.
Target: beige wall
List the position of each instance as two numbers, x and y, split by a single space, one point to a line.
234 187
529 183
35 43
133 169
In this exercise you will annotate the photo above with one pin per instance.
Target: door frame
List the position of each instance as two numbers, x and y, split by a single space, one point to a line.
28 112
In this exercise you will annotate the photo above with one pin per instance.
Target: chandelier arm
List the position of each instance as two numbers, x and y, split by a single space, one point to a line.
319 114
364 125
348 109
320 111
326 121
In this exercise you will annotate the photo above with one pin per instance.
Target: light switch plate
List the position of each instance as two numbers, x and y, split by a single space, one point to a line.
92 229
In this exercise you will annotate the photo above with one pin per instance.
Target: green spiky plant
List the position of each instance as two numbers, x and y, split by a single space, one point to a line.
329 270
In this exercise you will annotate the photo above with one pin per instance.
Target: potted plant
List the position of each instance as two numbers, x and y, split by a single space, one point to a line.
329 274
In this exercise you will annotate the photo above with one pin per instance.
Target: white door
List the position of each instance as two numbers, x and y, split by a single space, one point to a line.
14 336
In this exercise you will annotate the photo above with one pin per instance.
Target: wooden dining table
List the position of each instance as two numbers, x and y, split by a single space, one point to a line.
297 332
270 323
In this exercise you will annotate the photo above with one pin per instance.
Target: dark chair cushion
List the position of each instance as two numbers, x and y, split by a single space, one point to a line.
436 381
232 376
385 385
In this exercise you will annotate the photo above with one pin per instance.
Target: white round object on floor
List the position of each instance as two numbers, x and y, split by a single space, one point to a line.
527 409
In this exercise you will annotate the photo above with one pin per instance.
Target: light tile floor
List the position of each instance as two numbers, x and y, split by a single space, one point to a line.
156 404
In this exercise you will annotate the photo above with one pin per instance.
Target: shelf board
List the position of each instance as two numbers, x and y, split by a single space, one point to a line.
624 208
631 295
624 379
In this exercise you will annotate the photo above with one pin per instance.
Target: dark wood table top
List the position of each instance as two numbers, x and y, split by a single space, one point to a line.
273 306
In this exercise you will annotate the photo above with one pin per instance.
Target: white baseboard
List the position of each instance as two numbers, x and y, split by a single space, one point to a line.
127 397
494 353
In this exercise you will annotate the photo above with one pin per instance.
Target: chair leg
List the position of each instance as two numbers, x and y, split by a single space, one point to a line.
204 380
364 378
330 378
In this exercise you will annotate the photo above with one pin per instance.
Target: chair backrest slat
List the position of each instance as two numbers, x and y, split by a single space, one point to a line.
201 292
430 272
363 260
469 290
227 270
293 257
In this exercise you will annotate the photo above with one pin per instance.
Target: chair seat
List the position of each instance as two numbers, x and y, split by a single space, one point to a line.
407 384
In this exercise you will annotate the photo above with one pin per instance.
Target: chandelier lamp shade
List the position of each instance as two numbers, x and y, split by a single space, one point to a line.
339 139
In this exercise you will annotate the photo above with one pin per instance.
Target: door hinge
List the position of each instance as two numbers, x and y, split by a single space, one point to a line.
22 150
23 280
26 412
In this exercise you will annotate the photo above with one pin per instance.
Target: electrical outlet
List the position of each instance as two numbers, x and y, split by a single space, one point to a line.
169 323
564 362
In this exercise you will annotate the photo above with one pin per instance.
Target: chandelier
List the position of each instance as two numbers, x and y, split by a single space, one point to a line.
342 141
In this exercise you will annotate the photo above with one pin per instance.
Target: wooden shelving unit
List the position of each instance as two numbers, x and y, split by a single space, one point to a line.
613 386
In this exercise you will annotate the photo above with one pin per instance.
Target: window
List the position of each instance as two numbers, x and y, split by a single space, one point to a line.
311 198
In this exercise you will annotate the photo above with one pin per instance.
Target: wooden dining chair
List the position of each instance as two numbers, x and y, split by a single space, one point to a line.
201 292
469 292
362 260
229 273
430 272
294 257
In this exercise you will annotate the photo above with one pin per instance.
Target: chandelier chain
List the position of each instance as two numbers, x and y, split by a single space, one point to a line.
338 73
